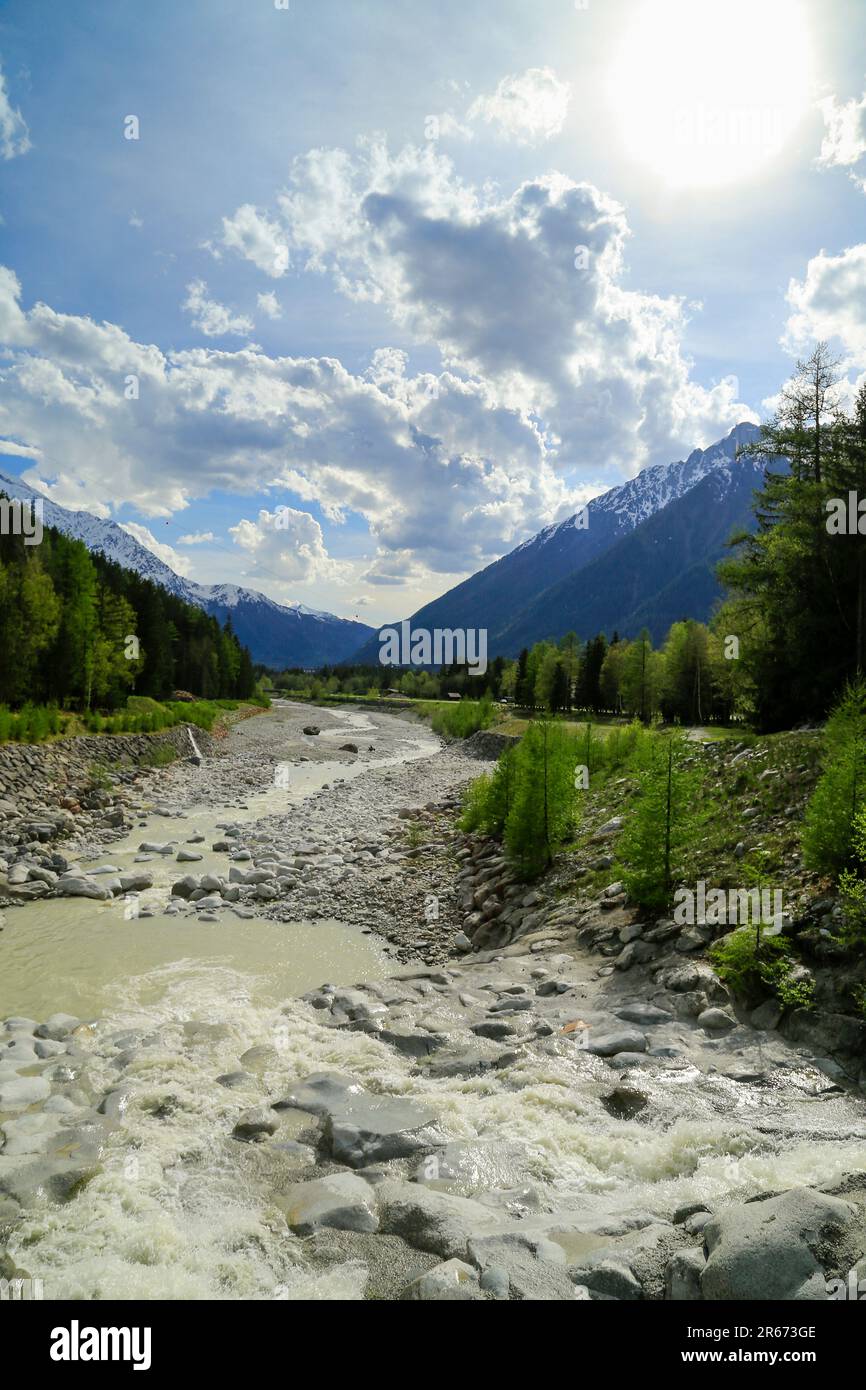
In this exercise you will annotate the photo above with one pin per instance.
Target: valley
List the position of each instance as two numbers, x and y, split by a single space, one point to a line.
314 1093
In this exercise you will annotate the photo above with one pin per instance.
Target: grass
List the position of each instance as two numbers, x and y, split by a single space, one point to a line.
142 715
458 719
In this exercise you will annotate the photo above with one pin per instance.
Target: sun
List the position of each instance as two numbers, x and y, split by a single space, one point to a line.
706 92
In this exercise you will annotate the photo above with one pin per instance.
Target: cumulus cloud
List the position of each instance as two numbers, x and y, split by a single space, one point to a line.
449 471
285 545
552 375
210 317
392 568
844 142
520 291
528 107
14 135
169 556
830 302
255 237
196 538
269 305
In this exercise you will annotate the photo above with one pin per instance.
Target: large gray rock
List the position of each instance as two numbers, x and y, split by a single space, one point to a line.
433 1221
58 1027
320 1092
20 1092
779 1248
683 1276
454 1281
618 1040
373 1129
535 1267
342 1201
77 887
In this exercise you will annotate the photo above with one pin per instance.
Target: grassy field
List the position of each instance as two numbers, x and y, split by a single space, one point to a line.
142 715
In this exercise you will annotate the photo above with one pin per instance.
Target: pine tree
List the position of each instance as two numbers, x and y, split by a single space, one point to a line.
543 807
828 825
661 824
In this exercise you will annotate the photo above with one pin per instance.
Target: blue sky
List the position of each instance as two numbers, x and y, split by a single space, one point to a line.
340 261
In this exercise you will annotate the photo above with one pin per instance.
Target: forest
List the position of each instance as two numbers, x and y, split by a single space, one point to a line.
79 631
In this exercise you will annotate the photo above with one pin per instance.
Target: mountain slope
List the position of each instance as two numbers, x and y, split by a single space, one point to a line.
276 634
491 597
662 572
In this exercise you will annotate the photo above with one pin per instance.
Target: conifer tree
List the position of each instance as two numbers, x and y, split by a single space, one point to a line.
661 824
543 806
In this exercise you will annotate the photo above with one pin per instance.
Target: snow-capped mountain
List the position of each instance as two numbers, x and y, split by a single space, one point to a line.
495 596
277 634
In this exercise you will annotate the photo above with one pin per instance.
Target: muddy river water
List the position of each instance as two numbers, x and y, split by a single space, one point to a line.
180 1209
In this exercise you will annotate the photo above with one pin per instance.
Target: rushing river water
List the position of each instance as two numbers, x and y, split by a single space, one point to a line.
79 955
181 1210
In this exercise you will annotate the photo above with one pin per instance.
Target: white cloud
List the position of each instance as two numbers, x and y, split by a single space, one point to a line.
844 140
285 545
196 538
527 107
169 556
255 237
24 451
14 135
135 220
521 293
554 375
392 568
830 302
210 317
269 305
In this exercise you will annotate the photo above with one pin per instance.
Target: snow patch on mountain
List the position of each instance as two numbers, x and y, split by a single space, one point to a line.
648 492
295 620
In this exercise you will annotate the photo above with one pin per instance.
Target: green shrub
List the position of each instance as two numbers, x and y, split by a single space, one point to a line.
662 824
750 963
459 720
828 825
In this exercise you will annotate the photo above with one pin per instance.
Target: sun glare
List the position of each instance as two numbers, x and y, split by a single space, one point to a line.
707 91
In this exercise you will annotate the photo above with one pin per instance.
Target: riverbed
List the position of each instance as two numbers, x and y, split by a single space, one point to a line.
183 1027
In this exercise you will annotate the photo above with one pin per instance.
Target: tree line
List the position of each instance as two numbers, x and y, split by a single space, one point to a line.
692 678
797 586
66 619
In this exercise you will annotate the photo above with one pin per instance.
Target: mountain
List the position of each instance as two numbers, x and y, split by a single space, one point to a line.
664 570
496 597
276 634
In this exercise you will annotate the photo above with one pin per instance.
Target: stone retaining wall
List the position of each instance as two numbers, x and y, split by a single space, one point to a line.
30 773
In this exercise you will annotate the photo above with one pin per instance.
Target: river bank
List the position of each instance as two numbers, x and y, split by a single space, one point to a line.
319 1092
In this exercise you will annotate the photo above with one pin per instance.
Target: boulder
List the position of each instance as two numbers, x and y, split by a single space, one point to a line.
716 1021
534 1267
454 1281
780 1248
342 1201
683 1276
619 1040
430 1220
373 1129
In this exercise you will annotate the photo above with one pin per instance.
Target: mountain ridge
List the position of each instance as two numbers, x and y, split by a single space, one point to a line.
494 596
276 634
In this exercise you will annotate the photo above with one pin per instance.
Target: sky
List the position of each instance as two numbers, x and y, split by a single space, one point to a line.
343 301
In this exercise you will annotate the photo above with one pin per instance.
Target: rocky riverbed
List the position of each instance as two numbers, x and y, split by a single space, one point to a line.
346 1055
